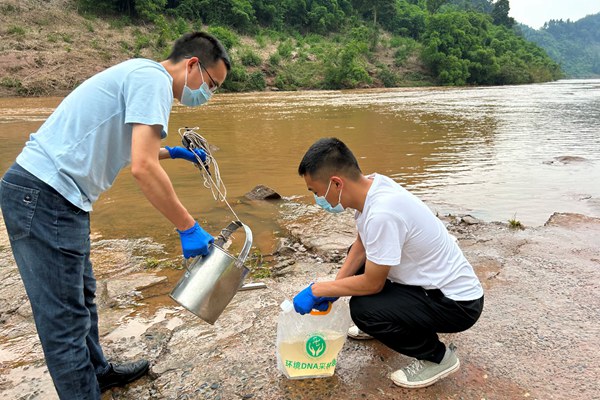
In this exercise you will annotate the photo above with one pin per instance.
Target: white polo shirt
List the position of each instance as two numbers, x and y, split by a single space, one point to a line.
399 230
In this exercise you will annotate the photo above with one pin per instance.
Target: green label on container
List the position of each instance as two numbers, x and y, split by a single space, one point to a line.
315 346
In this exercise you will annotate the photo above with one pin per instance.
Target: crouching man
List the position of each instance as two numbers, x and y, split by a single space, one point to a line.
407 277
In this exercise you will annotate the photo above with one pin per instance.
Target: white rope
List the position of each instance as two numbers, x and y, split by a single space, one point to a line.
193 140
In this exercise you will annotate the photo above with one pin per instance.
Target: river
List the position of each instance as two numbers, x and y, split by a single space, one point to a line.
491 152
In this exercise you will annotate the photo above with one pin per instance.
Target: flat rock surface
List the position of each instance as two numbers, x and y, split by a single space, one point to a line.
538 337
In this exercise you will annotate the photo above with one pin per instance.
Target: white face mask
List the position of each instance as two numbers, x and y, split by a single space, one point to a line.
195 97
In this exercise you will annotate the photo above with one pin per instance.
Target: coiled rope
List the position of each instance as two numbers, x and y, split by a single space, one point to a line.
193 140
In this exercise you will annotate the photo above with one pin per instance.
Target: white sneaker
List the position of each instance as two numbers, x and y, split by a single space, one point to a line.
355 333
422 373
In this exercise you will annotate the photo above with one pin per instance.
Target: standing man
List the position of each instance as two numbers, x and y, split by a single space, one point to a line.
407 277
116 117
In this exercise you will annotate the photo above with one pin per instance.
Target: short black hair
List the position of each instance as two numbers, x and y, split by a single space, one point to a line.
328 157
206 47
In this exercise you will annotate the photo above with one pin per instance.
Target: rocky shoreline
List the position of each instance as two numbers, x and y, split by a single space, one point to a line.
537 338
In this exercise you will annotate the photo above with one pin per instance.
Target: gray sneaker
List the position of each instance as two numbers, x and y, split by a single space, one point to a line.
422 373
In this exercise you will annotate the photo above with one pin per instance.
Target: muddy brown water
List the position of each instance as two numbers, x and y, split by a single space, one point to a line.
492 152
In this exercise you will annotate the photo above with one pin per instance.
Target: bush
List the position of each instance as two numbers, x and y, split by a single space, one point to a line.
181 26
387 77
11 83
404 48
9 9
274 60
346 68
225 36
285 49
298 75
119 23
236 79
16 30
88 26
141 41
261 41
250 59
256 81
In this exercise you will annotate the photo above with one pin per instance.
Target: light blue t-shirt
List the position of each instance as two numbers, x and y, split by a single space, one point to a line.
83 145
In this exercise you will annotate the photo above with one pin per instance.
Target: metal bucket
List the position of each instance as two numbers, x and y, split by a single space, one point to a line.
210 282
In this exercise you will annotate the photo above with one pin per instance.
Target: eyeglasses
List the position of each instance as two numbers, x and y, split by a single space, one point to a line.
215 86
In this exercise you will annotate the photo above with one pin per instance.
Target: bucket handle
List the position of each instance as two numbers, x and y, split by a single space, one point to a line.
227 231
317 312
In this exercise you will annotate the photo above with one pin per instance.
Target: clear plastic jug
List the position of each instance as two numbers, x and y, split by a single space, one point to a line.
308 345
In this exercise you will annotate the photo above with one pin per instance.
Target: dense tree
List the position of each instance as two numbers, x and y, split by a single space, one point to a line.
373 8
574 45
434 5
465 48
410 20
460 41
500 14
483 6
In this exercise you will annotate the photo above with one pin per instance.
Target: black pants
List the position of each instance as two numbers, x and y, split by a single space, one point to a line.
407 319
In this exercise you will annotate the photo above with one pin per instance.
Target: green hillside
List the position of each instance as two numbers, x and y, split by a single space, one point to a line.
274 44
574 45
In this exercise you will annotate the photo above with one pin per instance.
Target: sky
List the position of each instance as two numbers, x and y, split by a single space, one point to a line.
535 12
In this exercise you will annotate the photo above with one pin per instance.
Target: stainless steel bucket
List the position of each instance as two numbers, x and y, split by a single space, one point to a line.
210 282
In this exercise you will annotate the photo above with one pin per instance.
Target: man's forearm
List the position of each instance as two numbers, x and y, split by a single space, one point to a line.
156 186
354 260
358 285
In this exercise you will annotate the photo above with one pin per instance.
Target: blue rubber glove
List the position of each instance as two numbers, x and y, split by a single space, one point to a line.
182 152
323 305
195 241
305 301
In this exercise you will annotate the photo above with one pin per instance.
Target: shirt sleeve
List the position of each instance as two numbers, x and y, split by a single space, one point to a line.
148 98
384 239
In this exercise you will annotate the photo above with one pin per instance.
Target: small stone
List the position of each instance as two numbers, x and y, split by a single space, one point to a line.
262 192
214 386
470 220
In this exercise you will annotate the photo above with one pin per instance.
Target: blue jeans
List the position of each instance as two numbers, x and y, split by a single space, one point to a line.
50 240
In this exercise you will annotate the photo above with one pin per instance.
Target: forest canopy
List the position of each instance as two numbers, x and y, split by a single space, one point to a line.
574 45
351 43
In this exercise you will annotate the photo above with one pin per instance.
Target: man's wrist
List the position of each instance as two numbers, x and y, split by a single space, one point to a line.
186 224
163 154
316 289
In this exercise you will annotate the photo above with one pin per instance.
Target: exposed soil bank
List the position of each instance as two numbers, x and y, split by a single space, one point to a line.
538 337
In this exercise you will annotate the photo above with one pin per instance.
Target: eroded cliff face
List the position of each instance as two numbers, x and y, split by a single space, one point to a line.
537 338
48 48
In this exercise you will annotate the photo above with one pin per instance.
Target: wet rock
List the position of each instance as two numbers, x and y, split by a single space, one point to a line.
284 248
262 192
470 220
570 219
319 231
282 271
282 268
565 160
122 291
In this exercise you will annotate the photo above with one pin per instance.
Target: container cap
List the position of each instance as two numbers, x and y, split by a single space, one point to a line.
286 306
